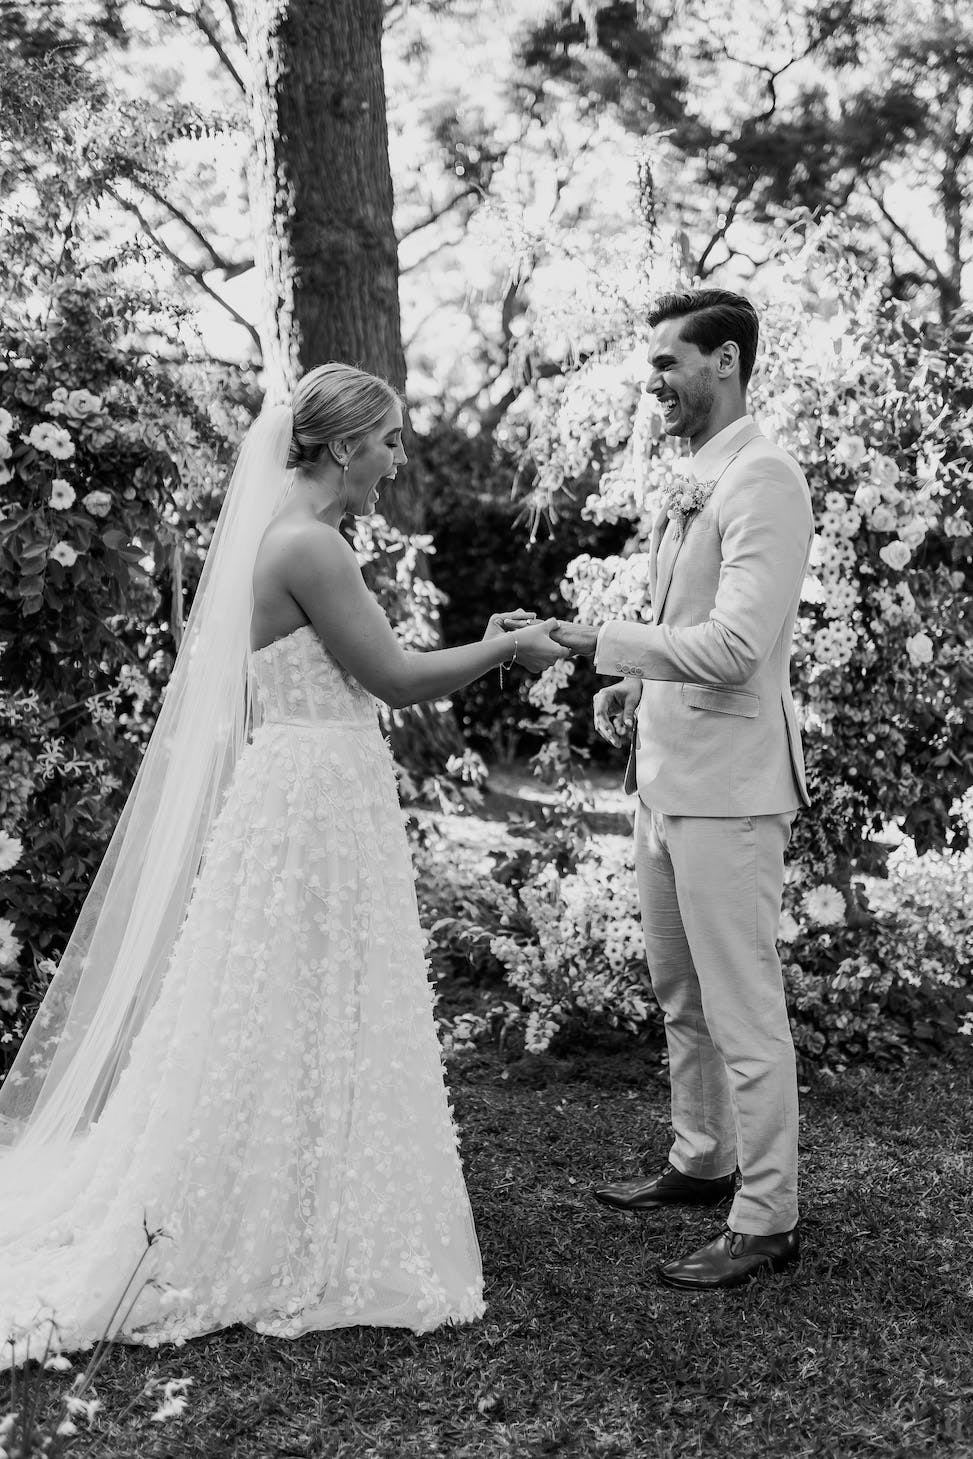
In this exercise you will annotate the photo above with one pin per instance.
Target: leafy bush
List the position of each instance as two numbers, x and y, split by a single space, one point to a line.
109 472
485 561
559 919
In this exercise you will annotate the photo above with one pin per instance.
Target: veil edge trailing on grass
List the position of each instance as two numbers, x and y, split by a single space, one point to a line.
113 966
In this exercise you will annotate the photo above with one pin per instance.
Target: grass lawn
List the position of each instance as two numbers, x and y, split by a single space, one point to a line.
867 1349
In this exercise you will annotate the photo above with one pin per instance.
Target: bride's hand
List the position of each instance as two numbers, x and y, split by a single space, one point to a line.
508 622
536 650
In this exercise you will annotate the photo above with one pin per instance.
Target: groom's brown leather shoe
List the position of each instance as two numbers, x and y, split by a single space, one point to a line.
671 1188
730 1260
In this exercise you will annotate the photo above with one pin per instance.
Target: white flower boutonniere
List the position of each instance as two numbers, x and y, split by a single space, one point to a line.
681 498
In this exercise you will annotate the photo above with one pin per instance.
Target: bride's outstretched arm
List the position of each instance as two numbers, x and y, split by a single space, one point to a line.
324 578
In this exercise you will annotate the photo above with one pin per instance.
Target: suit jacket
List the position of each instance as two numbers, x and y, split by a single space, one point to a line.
716 733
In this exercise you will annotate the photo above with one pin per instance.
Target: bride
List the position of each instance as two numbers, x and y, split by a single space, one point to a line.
238 1049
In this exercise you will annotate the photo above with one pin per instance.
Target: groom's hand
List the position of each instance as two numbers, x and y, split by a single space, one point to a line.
577 638
615 708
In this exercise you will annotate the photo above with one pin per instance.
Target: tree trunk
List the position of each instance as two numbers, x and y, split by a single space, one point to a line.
325 246
322 189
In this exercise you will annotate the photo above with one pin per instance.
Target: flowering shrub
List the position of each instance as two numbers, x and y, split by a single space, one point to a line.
877 409
573 946
109 471
560 921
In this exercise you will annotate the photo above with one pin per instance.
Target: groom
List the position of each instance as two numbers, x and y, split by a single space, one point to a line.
717 763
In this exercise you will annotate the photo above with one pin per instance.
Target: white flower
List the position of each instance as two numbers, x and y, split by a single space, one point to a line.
98 503
6 422
5 475
867 496
64 554
51 439
788 928
895 555
81 403
67 1428
919 649
170 1407
850 450
59 1363
824 905
9 945
62 494
881 519
6 450
11 850
914 532
884 471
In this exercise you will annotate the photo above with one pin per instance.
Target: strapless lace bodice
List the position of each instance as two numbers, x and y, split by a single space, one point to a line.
296 681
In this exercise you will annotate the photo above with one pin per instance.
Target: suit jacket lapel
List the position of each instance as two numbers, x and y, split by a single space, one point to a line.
666 556
668 544
658 530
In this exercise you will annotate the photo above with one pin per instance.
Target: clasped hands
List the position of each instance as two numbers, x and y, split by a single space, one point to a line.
542 642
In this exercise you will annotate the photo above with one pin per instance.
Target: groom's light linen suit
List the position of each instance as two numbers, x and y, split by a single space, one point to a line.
717 763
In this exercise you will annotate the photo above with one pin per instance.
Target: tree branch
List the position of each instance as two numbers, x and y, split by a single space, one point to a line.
743 191
234 15
230 270
196 274
202 21
440 212
942 281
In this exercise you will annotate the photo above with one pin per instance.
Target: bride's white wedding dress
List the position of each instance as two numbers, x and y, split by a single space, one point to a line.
283 1116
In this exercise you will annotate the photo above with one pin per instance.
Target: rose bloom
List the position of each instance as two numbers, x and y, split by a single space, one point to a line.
62 494
919 649
788 929
914 532
9 945
850 450
882 519
51 439
867 496
6 422
884 471
895 555
64 554
98 503
6 450
81 403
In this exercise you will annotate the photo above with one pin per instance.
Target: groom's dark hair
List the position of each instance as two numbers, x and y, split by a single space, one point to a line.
712 317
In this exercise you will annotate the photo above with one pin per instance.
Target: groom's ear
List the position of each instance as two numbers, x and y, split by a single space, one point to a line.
727 358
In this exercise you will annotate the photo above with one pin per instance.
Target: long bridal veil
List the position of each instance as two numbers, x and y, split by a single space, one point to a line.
113 965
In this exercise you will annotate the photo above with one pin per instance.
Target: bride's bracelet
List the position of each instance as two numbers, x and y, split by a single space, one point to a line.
513 660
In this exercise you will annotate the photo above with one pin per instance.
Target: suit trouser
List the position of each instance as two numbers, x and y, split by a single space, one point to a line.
710 891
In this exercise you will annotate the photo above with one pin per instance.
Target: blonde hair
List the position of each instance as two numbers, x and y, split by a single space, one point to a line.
335 402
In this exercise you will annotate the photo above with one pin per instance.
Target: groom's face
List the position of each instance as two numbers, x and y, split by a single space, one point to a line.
683 380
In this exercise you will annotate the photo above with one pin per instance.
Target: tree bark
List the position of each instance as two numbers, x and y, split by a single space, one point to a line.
322 188
324 241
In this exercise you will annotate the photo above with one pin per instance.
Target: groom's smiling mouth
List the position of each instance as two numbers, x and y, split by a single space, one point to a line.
669 405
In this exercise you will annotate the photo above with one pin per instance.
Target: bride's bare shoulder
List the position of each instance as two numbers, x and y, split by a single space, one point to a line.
298 537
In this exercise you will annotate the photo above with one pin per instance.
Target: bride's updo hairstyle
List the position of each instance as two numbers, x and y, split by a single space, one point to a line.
335 402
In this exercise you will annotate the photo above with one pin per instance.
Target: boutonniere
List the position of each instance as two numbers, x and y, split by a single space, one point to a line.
684 495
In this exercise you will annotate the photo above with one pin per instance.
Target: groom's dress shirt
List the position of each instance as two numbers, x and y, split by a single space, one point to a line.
716 733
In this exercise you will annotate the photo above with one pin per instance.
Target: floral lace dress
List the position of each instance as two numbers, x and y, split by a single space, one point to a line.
283 1116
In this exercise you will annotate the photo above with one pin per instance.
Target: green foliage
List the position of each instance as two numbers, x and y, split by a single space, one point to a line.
109 469
486 561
